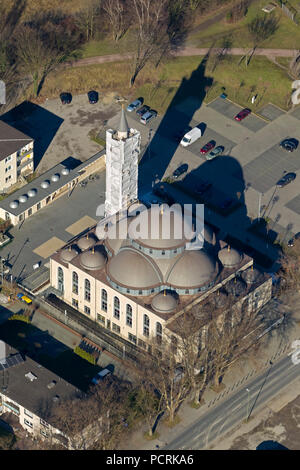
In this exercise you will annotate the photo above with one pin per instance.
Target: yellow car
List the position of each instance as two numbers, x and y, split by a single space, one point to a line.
26 299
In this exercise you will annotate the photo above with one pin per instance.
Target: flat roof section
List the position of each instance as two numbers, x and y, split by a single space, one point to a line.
43 193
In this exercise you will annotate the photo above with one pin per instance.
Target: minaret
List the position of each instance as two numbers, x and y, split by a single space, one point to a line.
122 152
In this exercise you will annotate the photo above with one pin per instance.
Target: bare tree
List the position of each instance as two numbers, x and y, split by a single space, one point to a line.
86 17
260 29
117 17
148 404
150 18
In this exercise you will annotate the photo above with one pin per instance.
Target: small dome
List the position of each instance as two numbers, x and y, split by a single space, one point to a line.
134 270
164 302
45 184
229 257
219 299
251 275
93 259
32 192
55 177
192 269
23 198
86 242
235 287
14 204
68 254
65 171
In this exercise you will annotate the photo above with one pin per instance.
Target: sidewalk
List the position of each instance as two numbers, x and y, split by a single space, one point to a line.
275 347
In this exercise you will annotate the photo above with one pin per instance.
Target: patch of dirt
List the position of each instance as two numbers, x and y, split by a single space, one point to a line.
282 427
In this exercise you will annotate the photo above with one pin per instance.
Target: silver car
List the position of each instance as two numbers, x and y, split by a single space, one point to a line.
134 105
215 152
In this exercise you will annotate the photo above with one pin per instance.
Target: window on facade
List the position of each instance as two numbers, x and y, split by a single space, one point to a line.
104 300
132 338
44 423
60 279
29 213
101 318
8 159
146 326
174 344
74 283
128 315
28 423
38 206
87 290
7 179
75 303
158 332
116 328
117 308
142 344
44 433
27 413
87 310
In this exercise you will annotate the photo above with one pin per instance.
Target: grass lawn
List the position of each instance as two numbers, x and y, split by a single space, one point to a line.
159 86
286 37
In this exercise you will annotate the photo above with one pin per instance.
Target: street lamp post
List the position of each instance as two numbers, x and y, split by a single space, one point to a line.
247 415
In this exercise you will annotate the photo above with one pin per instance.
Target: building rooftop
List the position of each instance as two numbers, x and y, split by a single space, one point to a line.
37 190
11 140
33 386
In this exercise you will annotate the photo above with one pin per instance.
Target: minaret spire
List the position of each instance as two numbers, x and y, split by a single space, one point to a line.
123 130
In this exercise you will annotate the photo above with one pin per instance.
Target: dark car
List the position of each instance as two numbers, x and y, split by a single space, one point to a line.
207 147
142 110
93 96
180 170
242 114
291 242
289 144
286 179
65 98
203 187
227 203
148 116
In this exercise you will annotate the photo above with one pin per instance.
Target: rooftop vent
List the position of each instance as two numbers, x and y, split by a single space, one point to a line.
51 384
55 398
23 198
30 376
55 177
45 184
65 171
14 204
32 192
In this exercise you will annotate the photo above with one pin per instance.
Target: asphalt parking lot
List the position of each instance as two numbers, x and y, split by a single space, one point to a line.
271 112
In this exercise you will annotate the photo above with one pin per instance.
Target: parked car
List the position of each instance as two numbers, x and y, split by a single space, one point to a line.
65 98
289 144
242 114
180 170
203 187
24 298
142 110
135 105
227 203
100 376
207 147
286 179
93 96
215 152
291 242
148 116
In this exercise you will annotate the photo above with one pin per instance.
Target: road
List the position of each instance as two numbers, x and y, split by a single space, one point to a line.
231 412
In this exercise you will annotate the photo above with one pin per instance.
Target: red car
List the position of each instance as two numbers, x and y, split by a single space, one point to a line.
207 147
242 114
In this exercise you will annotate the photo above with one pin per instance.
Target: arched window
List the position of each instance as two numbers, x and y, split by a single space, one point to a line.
74 282
158 332
60 279
87 290
174 344
104 300
146 326
117 308
128 315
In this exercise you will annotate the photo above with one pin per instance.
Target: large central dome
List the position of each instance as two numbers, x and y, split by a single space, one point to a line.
161 228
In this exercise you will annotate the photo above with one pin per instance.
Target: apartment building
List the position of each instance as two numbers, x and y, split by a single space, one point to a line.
16 156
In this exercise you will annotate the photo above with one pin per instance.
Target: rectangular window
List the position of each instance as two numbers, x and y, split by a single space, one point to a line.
44 423
142 344
44 433
27 413
75 303
116 328
87 310
104 300
29 213
28 423
132 338
101 318
38 206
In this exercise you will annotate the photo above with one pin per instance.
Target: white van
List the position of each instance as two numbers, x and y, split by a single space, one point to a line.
191 137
